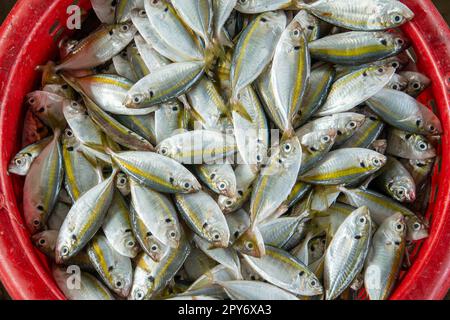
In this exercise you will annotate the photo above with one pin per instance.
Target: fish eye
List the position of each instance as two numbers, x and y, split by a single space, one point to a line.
362 220
352 124
164 151
65 251
187 185
137 99
119 284
400 41
296 33
222 186
376 162
139 295
124 28
172 234
395 64
31 101
416 85
395 86
18 162
325 139
416 226
423 146
313 283
431 128
142 13
401 192
287 147
380 70
397 18
130 244
399 227
258 158
154 248
216 236
249 245
42 241
243 1
228 203
74 104
36 223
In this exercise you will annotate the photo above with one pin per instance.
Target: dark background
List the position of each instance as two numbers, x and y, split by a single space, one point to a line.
6 5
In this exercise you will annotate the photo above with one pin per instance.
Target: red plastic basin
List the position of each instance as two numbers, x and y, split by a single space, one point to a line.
28 38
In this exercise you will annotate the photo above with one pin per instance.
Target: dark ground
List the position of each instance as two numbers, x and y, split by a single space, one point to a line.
6 5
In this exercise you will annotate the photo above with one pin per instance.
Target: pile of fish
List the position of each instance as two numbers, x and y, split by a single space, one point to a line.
220 149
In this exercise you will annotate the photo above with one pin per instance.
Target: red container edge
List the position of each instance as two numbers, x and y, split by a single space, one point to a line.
27 39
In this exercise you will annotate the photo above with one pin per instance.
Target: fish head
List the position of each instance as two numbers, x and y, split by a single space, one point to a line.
347 123
218 235
123 32
65 247
73 109
396 228
129 247
402 189
361 223
394 14
397 40
227 204
123 184
20 164
274 21
373 160
226 186
398 82
319 141
417 82
135 99
421 145
121 282
45 240
417 228
251 243
430 123
309 283
381 72
158 6
188 183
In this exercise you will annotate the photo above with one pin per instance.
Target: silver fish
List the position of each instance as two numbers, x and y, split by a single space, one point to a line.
409 146
22 161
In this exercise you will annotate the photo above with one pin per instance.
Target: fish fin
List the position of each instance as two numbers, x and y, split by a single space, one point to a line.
324 197
237 107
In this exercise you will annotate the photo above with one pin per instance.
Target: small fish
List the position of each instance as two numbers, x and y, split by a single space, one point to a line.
252 137
365 15
156 171
355 88
347 251
396 181
42 185
84 219
157 213
357 47
22 161
238 222
254 50
164 84
276 180
117 227
122 184
385 257
150 277
419 169
409 145
114 129
404 112
344 166
114 269
283 270
99 47
89 287
290 69
222 10
198 146
205 218
251 243
319 85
